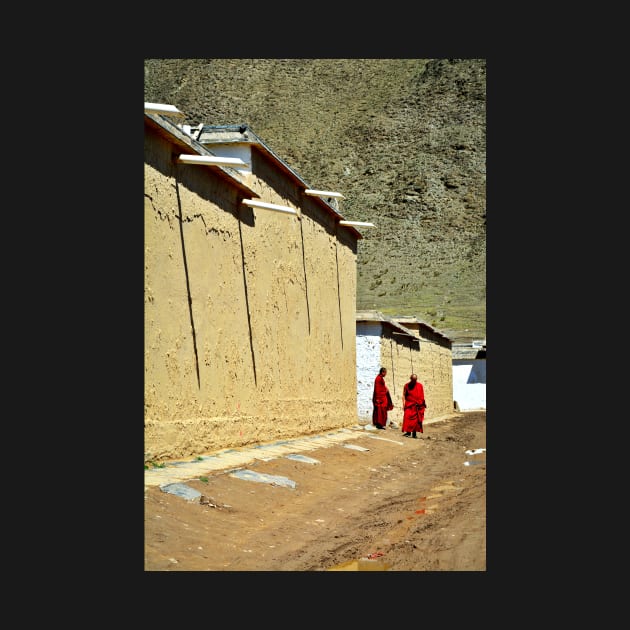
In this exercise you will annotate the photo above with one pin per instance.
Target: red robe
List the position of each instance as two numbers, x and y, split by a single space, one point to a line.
413 408
381 400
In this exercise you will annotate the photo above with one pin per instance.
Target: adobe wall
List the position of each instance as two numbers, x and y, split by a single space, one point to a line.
378 347
249 314
431 362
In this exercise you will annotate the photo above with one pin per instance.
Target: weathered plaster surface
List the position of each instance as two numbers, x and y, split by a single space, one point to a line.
249 315
431 362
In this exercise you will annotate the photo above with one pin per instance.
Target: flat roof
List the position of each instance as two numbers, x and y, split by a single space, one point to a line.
371 315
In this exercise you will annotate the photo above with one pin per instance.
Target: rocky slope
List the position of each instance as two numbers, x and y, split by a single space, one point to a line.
404 140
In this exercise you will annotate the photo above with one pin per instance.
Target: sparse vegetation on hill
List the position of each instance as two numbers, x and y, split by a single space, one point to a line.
404 140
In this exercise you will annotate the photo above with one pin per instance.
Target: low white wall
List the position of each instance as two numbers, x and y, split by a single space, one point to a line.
469 384
368 365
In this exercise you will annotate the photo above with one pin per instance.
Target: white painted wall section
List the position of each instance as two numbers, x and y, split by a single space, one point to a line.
469 384
368 364
241 151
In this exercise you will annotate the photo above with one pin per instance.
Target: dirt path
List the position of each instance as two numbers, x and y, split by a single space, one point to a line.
402 505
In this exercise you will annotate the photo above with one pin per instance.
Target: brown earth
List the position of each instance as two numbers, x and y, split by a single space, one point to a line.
402 505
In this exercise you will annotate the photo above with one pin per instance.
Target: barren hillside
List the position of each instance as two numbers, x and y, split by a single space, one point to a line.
404 140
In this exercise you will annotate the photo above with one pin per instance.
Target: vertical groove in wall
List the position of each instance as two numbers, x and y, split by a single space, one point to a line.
338 289
249 320
308 311
190 310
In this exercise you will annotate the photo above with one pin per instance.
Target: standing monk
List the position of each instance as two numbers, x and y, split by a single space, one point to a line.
381 400
413 406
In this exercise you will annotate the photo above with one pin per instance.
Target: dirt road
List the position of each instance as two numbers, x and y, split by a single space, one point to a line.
401 505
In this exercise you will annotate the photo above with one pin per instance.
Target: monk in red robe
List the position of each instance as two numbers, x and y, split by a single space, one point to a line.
413 406
381 399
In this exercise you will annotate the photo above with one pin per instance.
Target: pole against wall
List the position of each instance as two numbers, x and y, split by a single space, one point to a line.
268 206
162 109
211 160
357 223
323 193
